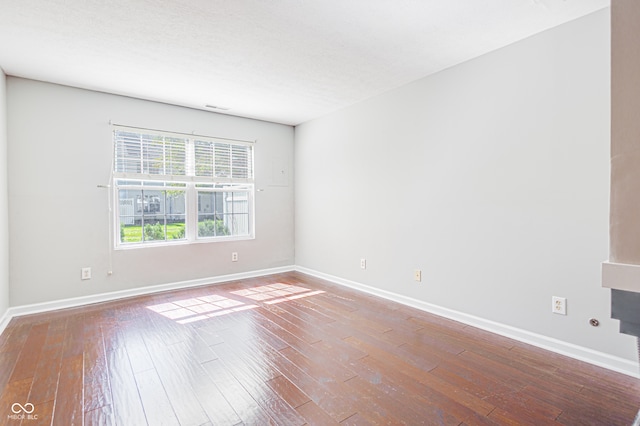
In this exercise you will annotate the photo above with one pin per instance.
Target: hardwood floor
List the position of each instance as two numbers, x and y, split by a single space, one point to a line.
288 349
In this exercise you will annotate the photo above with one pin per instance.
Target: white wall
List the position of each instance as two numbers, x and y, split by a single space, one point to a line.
4 211
491 177
59 151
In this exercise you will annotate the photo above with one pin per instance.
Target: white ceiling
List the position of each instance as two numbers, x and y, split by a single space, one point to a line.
286 61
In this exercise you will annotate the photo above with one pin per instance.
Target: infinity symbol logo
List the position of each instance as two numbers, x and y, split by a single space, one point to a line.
27 408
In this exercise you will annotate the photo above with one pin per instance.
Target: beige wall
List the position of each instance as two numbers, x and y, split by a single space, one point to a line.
625 132
60 149
492 177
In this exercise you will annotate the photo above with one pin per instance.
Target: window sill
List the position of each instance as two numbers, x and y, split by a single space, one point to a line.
134 246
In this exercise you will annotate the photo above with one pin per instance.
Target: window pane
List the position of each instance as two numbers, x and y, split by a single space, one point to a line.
175 214
130 217
149 154
127 152
209 226
236 211
152 204
151 215
121 182
204 158
223 160
222 155
210 213
175 156
176 185
240 161
153 155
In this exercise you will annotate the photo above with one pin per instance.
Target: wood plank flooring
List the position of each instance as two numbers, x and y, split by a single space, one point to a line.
288 349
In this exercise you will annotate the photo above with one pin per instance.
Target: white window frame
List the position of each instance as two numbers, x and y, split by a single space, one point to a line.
225 182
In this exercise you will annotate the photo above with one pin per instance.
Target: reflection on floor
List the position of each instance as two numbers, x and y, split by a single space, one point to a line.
200 308
341 357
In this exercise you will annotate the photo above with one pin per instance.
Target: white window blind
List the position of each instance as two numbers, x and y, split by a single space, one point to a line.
223 160
148 155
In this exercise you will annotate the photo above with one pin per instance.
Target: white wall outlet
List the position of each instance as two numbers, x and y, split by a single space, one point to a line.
234 256
363 263
85 273
417 275
559 305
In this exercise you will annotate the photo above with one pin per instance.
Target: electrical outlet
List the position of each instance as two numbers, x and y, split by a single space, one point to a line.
85 273
417 275
559 305
363 263
234 257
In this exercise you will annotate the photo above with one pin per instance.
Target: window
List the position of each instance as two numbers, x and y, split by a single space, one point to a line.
174 189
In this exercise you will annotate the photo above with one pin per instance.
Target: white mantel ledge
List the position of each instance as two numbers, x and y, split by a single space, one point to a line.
621 276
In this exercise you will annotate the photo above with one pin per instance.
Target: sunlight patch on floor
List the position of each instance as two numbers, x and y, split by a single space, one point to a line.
209 306
276 293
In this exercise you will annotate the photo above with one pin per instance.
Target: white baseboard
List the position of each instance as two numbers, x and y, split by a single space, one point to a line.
591 356
36 308
581 353
4 320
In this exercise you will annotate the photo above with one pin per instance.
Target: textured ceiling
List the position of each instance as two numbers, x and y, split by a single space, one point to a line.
286 61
